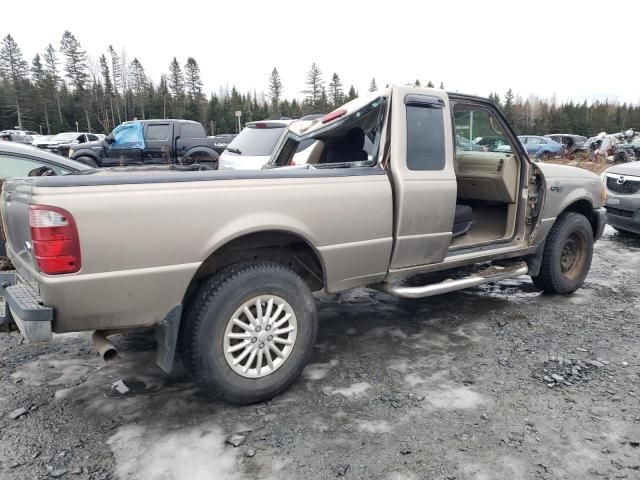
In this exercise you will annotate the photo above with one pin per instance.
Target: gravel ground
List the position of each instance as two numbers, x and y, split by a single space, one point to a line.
499 382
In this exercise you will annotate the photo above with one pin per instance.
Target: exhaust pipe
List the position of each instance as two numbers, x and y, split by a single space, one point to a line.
103 345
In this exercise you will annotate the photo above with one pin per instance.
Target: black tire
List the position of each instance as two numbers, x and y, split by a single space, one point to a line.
202 331
567 255
87 161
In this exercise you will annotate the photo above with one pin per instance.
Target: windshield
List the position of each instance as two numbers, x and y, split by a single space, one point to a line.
257 142
65 137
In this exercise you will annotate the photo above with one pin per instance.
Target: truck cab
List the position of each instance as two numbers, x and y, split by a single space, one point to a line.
448 199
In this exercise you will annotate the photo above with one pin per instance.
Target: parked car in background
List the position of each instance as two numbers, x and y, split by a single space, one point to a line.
62 142
540 147
18 136
623 197
571 143
19 160
253 146
491 143
151 142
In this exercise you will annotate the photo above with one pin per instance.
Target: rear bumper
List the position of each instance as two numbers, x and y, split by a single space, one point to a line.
23 306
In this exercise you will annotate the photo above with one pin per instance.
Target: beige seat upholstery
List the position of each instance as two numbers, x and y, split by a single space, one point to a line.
490 176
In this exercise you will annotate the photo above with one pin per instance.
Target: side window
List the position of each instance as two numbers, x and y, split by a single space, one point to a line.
480 129
535 141
12 166
157 132
425 137
190 130
92 138
82 139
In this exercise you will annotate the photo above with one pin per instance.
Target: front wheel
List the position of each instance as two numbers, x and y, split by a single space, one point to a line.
249 331
567 255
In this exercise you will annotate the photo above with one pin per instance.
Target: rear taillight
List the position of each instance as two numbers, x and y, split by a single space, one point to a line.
54 238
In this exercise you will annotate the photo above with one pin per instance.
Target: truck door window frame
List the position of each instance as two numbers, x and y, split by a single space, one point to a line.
432 111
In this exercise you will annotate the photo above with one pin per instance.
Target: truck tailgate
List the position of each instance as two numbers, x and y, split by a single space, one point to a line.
16 195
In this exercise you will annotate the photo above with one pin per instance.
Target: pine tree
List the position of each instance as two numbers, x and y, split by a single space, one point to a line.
192 78
314 87
14 70
53 78
430 84
441 85
373 86
75 61
353 93
417 83
336 95
138 82
508 107
176 79
275 91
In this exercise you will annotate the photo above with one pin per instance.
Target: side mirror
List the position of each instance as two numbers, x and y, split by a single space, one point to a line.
43 171
75 142
109 139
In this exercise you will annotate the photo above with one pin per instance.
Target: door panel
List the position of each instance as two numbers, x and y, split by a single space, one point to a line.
157 141
423 176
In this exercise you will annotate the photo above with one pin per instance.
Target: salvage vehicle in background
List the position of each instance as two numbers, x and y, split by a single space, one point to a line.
541 147
571 143
221 141
623 199
62 142
150 142
222 263
18 136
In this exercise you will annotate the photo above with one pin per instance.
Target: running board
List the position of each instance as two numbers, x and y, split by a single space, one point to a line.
491 274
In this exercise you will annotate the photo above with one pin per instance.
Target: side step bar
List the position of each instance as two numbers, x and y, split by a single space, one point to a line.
492 274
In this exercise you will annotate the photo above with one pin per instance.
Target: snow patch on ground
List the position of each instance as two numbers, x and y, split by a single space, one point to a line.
47 370
371 426
317 371
354 390
196 454
443 393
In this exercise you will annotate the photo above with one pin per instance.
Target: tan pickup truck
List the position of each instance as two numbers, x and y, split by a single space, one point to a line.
222 263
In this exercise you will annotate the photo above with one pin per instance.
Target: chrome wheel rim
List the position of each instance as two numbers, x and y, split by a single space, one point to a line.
260 336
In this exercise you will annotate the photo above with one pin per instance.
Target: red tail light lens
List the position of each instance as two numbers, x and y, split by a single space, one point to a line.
333 115
54 238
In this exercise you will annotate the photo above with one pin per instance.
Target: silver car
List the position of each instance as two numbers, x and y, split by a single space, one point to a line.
623 197
253 146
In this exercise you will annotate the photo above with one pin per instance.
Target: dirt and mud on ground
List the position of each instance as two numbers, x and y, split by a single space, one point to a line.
500 382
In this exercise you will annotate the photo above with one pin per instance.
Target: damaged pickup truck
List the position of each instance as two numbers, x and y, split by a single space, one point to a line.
223 263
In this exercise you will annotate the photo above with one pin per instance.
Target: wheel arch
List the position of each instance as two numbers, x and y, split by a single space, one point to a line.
584 207
203 149
281 246
86 153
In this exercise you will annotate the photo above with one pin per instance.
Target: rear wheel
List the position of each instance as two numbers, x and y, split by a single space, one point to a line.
249 331
567 255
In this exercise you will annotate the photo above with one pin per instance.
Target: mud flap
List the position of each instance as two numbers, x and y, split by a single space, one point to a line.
167 336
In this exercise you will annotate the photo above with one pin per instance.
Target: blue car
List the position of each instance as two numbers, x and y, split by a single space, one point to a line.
541 148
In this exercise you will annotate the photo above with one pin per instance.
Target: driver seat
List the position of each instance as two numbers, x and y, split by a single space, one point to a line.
462 220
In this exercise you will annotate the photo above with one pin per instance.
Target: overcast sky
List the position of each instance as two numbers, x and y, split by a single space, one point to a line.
574 50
